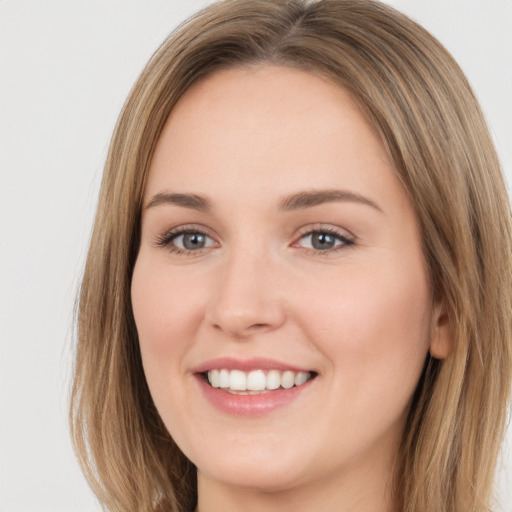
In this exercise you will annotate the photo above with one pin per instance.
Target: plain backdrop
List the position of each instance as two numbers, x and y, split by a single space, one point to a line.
65 69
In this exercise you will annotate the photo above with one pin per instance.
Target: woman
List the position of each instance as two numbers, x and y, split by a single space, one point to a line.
298 289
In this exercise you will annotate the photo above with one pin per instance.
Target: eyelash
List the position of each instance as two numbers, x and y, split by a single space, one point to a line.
346 241
165 240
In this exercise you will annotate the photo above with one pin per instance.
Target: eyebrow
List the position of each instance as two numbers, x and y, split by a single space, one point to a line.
308 199
297 201
192 201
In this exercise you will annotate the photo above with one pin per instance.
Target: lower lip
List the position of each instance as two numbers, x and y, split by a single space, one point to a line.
251 405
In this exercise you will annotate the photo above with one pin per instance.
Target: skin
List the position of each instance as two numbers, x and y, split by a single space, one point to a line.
358 315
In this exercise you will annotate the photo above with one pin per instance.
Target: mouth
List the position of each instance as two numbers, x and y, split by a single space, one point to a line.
253 387
255 382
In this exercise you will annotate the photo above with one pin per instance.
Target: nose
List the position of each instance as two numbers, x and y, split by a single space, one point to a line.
247 298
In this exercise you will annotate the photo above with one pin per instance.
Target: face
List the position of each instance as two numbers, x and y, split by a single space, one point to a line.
280 292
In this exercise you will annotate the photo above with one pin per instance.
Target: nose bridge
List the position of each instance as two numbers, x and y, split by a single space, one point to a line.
246 297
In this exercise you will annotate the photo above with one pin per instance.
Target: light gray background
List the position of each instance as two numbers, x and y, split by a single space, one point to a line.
65 69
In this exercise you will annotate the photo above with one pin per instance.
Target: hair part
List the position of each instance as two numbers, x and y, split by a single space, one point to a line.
416 96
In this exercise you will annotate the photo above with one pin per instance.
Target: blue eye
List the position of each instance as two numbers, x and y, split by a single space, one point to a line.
185 240
324 241
191 241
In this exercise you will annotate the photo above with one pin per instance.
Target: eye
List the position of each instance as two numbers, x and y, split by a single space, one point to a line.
192 241
323 240
181 240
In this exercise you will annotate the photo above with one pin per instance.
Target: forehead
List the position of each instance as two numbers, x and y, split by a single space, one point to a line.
269 130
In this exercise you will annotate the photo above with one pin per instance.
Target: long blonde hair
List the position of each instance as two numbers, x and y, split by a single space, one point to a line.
416 96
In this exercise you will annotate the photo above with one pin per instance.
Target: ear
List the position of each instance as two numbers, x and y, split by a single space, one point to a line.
441 344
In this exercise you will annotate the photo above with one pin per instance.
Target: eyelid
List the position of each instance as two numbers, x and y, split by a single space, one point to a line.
345 236
165 239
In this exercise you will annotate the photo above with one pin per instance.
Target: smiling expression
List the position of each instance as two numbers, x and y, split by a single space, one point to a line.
280 292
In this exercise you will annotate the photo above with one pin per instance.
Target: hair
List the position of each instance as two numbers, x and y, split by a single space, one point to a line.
417 98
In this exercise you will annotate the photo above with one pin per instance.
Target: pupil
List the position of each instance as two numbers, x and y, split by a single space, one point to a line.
193 241
322 241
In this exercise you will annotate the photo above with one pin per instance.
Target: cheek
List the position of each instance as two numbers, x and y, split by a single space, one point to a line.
166 313
373 327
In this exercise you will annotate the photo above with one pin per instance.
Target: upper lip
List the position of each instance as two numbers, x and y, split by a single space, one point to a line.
256 363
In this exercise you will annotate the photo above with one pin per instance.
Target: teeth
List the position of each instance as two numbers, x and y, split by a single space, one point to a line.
224 379
301 378
273 380
256 380
237 381
214 378
287 380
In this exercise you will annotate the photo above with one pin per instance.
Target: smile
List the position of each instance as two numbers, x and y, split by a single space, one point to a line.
255 381
253 387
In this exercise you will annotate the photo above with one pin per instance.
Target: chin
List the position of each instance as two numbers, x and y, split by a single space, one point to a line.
252 465
255 477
